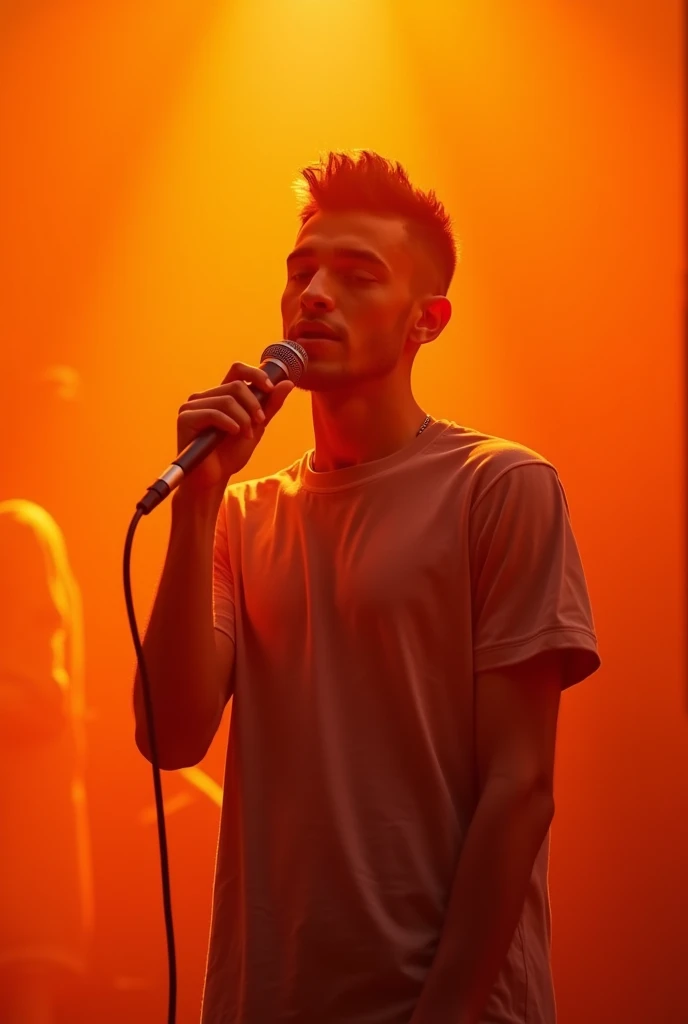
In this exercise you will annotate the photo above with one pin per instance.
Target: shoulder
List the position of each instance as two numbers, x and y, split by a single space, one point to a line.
487 455
500 468
258 494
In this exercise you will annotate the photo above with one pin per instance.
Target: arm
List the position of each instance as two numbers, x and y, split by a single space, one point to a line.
516 717
189 663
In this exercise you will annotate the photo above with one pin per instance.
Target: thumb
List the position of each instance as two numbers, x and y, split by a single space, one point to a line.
277 399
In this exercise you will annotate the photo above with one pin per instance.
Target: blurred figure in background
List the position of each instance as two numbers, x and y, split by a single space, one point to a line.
46 889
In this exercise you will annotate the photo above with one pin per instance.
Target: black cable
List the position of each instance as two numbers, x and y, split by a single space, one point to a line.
157 784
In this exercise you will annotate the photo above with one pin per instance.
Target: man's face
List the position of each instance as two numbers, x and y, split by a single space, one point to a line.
353 272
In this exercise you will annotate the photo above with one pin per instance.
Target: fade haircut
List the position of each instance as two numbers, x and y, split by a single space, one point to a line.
367 182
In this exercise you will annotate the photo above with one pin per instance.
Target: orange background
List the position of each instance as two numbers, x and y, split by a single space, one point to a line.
148 151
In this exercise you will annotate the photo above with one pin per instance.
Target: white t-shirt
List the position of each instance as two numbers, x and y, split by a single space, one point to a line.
361 603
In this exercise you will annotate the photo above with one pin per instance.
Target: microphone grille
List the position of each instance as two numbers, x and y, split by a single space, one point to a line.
293 355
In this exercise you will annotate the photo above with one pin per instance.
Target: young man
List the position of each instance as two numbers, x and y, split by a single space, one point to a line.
395 616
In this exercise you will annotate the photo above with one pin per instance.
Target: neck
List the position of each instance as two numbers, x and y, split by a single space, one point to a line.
352 429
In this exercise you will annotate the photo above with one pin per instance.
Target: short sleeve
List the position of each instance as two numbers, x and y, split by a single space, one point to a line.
528 587
223 582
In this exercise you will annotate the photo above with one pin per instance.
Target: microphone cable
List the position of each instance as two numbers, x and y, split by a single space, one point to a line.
157 782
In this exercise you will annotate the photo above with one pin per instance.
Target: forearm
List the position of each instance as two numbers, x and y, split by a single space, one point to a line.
179 645
486 901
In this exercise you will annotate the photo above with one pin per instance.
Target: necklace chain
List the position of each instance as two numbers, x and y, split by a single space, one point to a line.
425 423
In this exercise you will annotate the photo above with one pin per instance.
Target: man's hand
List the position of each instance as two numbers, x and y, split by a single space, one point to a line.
230 407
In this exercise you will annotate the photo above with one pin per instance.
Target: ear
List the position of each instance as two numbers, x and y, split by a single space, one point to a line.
434 315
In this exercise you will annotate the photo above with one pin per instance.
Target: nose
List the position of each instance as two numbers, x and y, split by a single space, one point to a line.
316 296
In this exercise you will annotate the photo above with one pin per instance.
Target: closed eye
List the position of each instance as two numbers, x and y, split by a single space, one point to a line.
359 278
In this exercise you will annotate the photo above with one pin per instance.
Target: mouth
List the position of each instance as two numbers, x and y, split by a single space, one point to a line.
309 339
313 332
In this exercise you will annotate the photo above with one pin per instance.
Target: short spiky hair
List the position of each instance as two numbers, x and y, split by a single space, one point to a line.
368 182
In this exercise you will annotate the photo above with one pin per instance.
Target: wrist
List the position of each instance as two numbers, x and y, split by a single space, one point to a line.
189 502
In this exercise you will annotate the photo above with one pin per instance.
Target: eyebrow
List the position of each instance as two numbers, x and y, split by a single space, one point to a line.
360 255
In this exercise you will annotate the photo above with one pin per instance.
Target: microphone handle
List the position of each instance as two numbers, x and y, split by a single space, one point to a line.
202 445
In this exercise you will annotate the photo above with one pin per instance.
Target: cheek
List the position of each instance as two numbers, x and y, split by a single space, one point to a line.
384 318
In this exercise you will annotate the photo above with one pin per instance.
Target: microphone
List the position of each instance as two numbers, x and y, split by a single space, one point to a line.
287 360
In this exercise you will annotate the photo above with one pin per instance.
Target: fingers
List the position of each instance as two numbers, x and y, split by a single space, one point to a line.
232 407
243 417
277 399
235 399
252 374
196 420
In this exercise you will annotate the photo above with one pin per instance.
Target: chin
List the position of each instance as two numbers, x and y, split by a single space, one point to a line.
315 381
